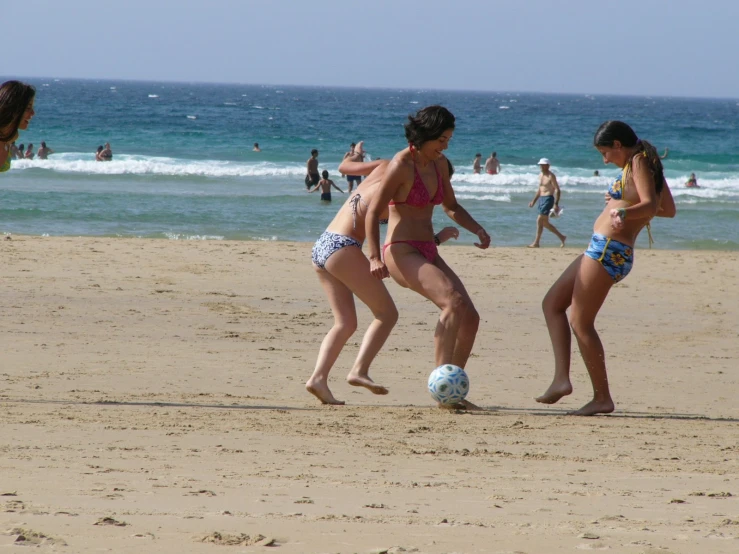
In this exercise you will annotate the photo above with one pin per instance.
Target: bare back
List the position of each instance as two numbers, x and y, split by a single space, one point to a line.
350 219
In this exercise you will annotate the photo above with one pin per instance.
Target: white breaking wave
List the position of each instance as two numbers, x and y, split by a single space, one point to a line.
181 236
493 197
140 165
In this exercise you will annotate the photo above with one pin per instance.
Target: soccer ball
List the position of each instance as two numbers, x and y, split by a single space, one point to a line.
449 384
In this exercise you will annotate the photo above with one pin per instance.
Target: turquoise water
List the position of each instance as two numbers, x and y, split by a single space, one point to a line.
183 166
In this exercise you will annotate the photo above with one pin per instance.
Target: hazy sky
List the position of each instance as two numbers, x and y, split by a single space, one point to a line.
651 47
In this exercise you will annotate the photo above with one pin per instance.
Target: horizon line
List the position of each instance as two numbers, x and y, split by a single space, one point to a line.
393 88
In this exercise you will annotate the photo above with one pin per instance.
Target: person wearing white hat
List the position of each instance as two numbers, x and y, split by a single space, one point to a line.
547 201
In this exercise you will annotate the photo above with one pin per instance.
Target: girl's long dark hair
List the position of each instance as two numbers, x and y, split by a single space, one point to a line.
14 99
428 124
611 131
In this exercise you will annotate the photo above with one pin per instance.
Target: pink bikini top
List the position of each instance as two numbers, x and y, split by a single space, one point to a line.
418 197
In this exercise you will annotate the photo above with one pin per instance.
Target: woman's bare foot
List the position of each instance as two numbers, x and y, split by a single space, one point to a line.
321 391
533 245
595 407
366 382
564 238
464 405
555 392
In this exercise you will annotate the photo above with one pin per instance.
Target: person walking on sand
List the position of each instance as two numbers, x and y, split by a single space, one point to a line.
492 165
325 185
476 166
16 112
637 196
416 181
548 201
344 272
312 177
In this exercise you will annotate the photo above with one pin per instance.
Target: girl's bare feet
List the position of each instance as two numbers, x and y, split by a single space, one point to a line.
555 392
321 391
595 407
366 382
464 405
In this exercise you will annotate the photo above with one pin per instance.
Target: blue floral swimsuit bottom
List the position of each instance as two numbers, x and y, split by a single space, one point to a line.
616 257
329 243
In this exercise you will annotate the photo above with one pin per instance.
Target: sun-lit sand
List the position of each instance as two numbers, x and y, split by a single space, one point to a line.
152 396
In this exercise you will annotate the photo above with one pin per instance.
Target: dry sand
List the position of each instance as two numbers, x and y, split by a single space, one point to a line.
152 401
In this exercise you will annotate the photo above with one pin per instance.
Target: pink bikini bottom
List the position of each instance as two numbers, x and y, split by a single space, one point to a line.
426 247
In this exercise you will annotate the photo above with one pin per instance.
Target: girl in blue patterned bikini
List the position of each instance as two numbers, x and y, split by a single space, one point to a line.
344 272
638 195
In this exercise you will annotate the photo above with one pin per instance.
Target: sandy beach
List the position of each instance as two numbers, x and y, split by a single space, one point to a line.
152 397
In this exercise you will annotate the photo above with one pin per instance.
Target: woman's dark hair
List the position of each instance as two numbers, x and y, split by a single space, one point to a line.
611 131
428 124
451 168
14 99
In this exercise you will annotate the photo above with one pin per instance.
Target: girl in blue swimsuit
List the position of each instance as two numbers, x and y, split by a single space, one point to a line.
638 195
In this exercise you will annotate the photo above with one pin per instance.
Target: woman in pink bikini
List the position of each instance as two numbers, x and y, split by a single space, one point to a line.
416 180
344 273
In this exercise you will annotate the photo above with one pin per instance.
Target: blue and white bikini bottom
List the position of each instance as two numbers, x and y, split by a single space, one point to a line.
329 243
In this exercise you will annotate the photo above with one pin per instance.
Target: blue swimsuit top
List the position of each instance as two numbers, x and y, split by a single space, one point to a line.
616 192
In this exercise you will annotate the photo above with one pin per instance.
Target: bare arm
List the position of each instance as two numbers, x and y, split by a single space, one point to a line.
666 203
350 167
334 185
458 214
557 191
646 207
397 173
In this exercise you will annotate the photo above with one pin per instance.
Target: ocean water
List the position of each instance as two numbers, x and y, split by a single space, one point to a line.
184 168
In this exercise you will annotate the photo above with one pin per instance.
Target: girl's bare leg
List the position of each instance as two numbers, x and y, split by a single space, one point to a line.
351 267
470 320
341 300
412 270
591 288
555 305
440 284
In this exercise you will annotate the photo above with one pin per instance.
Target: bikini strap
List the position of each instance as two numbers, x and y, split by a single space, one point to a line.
649 233
356 199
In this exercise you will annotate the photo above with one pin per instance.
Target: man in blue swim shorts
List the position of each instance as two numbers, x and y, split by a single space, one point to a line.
355 154
547 202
